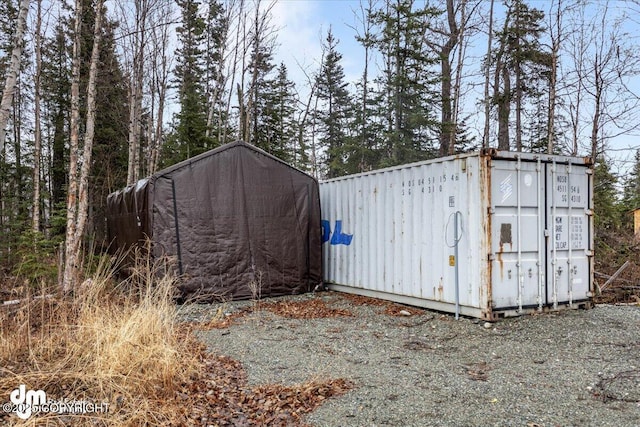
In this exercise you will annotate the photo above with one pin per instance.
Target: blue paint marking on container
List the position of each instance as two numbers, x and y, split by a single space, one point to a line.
338 237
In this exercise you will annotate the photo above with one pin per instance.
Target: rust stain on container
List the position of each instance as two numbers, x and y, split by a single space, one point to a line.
506 237
500 261
485 189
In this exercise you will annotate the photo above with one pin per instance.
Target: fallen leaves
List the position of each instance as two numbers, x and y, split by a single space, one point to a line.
314 308
390 308
221 396
362 300
309 309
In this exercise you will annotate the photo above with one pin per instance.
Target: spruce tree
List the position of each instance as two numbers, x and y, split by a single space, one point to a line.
608 214
189 137
631 193
522 62
406 97
261 66
217 26
367 129
56 86
335 111
279 128
110 145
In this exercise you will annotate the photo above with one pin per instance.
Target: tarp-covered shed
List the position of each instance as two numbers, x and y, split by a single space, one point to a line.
231 218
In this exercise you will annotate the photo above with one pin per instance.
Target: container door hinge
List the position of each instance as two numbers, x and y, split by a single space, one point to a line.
490 257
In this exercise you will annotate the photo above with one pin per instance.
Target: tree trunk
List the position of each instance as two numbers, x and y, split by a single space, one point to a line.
241 16
71 259
487 101
447 125
595 127
445 95
14 69
397 96
518 109
365 113
135 92
503 99
83 198
160 75
76 224
553 79
552 97
35 223
518 82
457 86
20 208
504 110
219 82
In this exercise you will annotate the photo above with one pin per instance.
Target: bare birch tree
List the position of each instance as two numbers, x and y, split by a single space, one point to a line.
365 36
555 34
77 197
237 24
258 37
161 62
71 258
216 77
134 25
603 104
449 34
14 69
35 218
487 78
502 93
262 42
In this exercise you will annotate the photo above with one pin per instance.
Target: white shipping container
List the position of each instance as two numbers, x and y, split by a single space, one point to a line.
487 235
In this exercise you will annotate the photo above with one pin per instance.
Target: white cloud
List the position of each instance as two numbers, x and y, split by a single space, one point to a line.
302 27
299 37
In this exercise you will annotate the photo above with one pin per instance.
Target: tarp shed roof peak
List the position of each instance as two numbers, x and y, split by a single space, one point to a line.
218 150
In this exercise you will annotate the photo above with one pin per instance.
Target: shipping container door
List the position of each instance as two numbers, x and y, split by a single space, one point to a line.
568 230
517 234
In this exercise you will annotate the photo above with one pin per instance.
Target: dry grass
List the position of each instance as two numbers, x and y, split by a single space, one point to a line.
107 344
121 344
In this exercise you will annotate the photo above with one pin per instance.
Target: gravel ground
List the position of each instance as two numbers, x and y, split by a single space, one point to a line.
572 368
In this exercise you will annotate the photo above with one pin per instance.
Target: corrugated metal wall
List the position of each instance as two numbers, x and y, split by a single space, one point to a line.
391 233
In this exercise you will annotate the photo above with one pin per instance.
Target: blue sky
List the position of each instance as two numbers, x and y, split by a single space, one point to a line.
303 25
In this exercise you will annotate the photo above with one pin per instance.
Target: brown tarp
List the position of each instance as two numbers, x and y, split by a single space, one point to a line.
232 219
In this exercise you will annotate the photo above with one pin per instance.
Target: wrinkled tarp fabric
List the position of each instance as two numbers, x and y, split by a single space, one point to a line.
238 222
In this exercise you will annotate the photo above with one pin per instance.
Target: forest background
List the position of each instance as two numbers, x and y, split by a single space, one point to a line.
99 94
